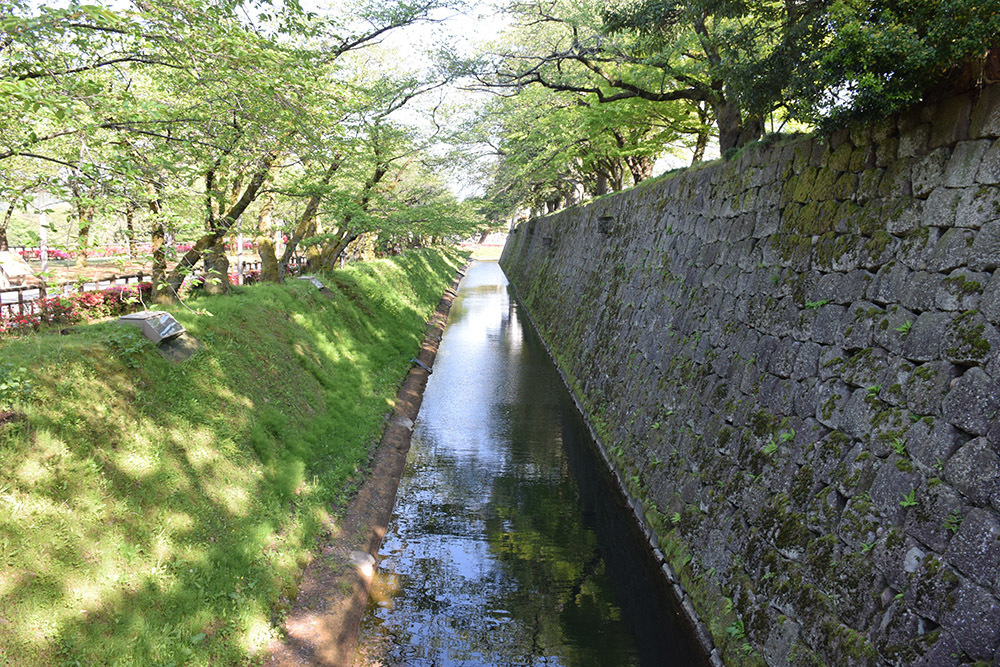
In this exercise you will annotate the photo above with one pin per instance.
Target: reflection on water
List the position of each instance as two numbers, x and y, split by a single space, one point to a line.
504 528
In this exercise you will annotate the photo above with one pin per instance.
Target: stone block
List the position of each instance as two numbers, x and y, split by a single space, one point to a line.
951 121
895 182
878 249
893 555
973 404
894 384
865 368
914 142
859 413
829 323
831 398
785 319
978 206
891 330
917 247
886 152
975 549
923 340
961 290
868 185
952 250
778 396
974 471
858 328
986 114
928 171
970 340
920 292
782 637
892 484
903 216
928 385
856 472
989 169
859 523
936 518
989 305
823 510
930 582
965 163
939 653
829 288
972 615
783 359
831 361
853 286
985 253
889 283
941 207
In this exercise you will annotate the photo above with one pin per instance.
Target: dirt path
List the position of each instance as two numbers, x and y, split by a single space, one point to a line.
323 625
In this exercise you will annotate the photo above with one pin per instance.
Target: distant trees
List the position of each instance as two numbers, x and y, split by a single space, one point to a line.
696 69
183 116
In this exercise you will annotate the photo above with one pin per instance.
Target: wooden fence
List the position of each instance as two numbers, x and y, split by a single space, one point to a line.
24 300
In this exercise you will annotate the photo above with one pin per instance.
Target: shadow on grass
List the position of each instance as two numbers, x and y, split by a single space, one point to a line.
153 513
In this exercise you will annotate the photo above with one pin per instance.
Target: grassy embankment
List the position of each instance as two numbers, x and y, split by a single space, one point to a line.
154 513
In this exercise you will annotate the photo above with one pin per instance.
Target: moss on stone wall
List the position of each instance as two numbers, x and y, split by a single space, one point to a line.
785 356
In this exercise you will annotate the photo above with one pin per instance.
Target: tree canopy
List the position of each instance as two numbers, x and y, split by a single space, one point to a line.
725 69
190 114
194 119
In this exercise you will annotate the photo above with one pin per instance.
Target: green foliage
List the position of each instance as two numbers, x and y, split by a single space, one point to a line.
15 385
156 512
845 60
953 521
909 499
175 114
126 343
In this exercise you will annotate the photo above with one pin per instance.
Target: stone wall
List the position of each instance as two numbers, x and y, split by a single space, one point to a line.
793 360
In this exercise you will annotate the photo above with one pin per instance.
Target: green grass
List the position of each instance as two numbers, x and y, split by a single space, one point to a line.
155 513
487 253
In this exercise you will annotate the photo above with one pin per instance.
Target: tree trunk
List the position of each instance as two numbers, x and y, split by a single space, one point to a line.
641 167
347 233
159 237
332 253
306 226
269 270
221 226
215 261
602 183
704 132
130 230
217 268
85 218
735 131
701 143
3 227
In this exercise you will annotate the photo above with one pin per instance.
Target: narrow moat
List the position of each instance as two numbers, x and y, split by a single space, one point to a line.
509 544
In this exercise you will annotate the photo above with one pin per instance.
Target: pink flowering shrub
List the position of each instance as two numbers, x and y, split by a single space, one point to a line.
80 307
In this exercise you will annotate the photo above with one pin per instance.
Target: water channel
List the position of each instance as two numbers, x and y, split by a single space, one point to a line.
508 544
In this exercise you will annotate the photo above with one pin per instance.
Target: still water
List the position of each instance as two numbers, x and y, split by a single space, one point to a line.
508 545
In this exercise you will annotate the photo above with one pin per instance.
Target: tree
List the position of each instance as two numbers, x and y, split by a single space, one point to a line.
838 61
652 51
205 95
